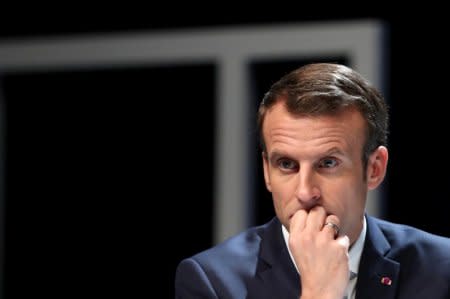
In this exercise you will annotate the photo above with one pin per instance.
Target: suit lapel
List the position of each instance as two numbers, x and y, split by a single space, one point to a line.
377 275
276 276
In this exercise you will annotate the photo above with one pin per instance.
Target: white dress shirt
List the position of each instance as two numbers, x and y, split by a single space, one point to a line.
354 258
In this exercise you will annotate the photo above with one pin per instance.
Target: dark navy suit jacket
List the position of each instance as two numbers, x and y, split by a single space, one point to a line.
256 264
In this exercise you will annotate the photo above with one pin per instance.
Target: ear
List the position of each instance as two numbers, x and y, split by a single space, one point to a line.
266 171
376 167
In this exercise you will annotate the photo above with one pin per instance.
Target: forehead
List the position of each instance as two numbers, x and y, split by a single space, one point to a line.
346 127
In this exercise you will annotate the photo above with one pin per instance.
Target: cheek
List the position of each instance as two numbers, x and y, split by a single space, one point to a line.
281 188
346 190
282 195
349 196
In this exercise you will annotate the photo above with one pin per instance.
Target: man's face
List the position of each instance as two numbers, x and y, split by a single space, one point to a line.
316 161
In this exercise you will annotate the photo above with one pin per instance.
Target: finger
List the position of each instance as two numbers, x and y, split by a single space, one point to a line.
333 219
332 225
298 221
316 219
344 241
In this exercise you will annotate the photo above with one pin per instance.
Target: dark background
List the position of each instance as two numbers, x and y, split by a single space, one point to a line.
104 240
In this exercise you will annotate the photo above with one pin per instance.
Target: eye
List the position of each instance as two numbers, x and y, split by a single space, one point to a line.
287 164
328 163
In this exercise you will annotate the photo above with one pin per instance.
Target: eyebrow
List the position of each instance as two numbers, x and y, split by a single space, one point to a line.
275 155
332 151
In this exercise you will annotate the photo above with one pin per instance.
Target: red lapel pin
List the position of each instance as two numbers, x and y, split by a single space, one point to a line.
386 280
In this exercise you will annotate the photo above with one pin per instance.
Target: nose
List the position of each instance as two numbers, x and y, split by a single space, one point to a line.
308 191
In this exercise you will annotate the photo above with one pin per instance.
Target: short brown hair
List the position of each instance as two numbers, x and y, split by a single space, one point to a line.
325 89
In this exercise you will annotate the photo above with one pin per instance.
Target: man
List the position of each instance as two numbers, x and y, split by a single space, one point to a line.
324 134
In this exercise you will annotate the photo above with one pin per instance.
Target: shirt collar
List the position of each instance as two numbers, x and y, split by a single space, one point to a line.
354 252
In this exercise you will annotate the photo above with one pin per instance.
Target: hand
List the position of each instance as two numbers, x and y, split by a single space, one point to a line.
320 255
